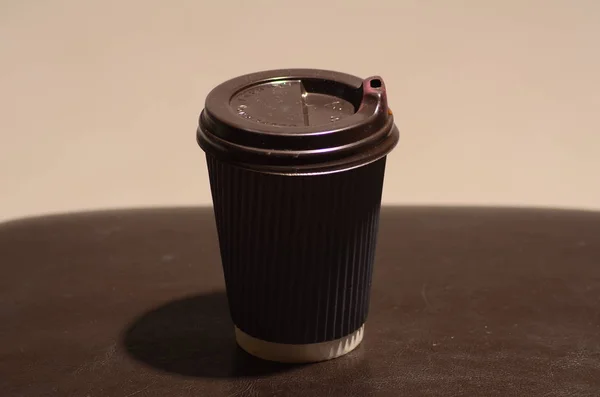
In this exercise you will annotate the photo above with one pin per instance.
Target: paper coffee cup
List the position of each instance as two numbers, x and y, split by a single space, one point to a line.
296 161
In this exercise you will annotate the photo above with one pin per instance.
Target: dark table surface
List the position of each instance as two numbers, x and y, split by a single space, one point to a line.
466 301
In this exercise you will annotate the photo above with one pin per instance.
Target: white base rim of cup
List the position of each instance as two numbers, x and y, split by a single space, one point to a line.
290 353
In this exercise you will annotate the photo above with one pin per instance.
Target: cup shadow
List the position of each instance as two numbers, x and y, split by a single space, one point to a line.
194 337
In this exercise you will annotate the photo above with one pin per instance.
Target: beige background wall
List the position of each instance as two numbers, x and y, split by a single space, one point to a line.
498 101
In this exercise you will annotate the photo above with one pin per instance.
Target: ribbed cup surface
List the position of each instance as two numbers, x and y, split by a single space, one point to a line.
297 251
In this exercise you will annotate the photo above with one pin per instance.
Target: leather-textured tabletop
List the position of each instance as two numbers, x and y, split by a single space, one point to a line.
465 302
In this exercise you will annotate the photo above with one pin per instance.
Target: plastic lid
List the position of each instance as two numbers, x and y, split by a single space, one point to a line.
298 121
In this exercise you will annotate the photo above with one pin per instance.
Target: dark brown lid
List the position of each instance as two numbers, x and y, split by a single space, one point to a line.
298 121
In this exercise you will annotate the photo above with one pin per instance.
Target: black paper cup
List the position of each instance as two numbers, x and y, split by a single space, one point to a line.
296 160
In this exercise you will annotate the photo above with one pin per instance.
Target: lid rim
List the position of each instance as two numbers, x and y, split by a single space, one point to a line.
355 160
